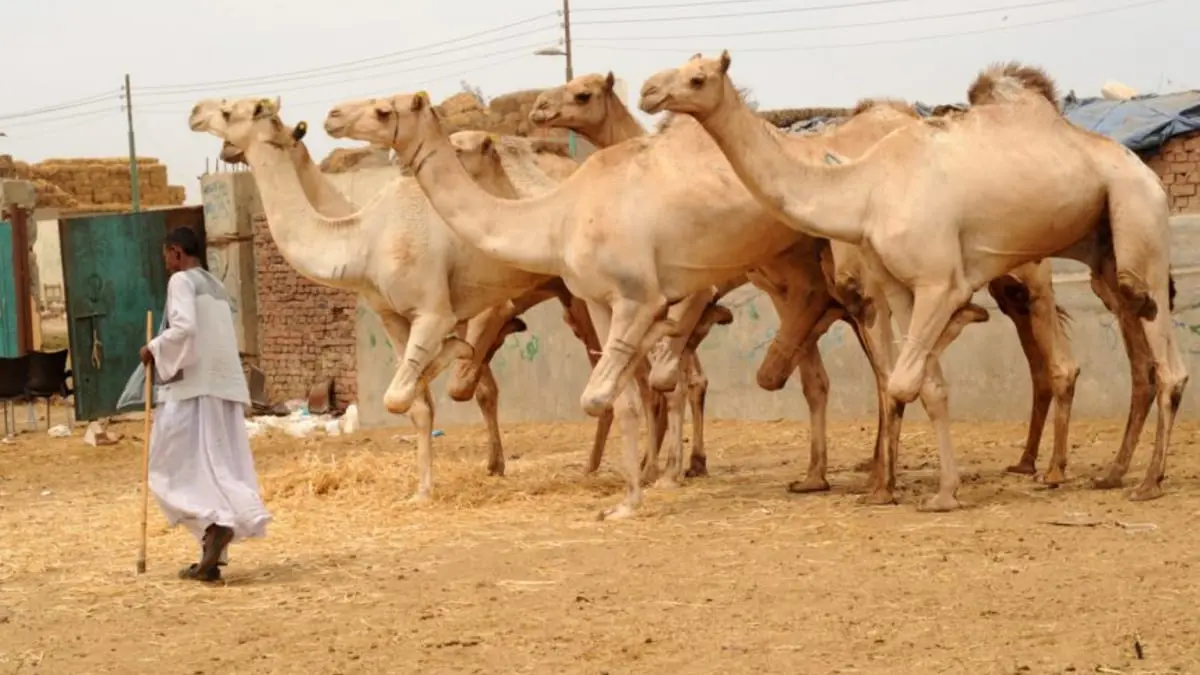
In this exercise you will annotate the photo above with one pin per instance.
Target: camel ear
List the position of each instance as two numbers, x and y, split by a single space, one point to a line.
695 56
300 130
278 103
262 108
418 101
725 60
489 142
610 81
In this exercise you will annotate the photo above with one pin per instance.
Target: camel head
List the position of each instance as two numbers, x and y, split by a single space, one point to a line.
232 154
394 122
581 103
698 87
477 152
241 122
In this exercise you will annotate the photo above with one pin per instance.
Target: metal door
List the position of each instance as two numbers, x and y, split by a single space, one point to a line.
9 343
113 273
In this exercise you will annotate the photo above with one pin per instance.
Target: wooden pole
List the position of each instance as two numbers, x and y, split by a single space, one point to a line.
141 560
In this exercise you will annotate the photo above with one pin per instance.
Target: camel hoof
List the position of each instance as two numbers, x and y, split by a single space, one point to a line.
1145 493
809 484
1054 477
879 497
420 498
1108 482
941 503
650 475
496 470
865 465
619 512
1023 469
698 468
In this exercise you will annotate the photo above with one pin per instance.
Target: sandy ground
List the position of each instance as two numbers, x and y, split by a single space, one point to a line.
729 574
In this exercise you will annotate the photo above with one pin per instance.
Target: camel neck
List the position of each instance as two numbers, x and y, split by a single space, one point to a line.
819 199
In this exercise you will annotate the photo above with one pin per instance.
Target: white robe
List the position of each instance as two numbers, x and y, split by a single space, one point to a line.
201 468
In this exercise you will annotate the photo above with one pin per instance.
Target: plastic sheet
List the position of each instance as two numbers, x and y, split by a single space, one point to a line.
133 397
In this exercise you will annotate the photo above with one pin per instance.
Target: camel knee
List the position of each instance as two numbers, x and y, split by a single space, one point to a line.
1135 294
1062 380
664 371
464 380
775 368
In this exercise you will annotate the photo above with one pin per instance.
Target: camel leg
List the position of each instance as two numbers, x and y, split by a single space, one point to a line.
633 330
932 309
627 411
487 394
875 338
483 333
1141 374
672 476
427 346
1027 298
873 464
664 370
575 315
421 414
934 394
814 381
1171 377
697 392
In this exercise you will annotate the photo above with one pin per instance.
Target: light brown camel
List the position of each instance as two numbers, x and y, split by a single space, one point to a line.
944 207
589 106
422 274
479 155
628 256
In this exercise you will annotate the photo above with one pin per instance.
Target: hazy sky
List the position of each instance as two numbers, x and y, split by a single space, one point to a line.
789 52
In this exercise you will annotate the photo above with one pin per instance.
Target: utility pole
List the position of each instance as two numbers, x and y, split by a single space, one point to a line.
566 10
133 167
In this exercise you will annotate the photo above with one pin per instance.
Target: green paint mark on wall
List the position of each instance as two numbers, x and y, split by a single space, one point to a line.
752 311
531 348
372 340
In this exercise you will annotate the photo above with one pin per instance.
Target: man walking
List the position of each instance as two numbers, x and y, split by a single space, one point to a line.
201 470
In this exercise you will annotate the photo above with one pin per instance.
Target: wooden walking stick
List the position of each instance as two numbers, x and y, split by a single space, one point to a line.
141 560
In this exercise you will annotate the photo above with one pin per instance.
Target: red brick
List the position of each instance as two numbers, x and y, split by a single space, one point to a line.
1193 178
1168 178
306 331
1192 142
1182 190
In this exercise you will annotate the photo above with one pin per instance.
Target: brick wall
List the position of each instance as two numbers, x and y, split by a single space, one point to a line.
305 330
1178 163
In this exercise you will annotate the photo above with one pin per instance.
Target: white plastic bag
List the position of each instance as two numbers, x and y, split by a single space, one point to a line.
134 395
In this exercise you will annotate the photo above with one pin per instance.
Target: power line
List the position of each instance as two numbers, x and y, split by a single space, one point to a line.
66 105
523 50
322 70
47 120
734 15
874 43
705 3
860 24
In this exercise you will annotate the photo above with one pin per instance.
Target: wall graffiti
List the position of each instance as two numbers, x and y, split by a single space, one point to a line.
218 203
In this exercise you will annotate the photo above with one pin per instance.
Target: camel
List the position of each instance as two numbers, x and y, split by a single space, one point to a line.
421 282
480 154
589 106
943 207
629 257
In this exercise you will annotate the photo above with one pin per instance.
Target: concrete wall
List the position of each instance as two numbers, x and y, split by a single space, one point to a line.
543 372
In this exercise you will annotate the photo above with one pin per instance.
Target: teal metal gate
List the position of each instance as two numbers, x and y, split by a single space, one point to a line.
9 331
112 274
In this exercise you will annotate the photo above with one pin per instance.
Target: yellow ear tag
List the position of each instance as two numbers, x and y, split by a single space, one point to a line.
422 94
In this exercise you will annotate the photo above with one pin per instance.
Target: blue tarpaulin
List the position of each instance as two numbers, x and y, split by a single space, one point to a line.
1141 124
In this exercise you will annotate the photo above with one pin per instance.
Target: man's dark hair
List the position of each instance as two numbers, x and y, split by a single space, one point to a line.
188 241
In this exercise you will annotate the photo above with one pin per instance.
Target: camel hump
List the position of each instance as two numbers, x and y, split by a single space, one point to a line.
894 104
1010 82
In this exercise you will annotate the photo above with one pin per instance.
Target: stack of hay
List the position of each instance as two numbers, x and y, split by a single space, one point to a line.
98 184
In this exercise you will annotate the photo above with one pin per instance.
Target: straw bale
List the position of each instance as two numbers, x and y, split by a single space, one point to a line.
342 160
8 168
511 102
462 102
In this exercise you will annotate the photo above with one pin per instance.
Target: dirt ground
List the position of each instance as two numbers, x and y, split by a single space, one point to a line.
728 574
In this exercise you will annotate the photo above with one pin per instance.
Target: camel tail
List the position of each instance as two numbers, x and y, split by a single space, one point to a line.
1011 82
1170 291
